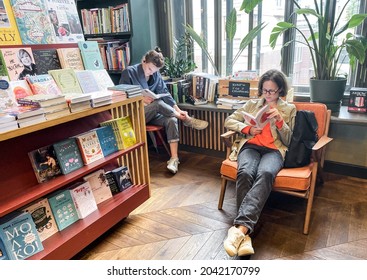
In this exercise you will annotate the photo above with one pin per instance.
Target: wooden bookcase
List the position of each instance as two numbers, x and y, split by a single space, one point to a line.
19 185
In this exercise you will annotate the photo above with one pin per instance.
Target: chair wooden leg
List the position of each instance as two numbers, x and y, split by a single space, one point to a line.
163 142
310 199
223 186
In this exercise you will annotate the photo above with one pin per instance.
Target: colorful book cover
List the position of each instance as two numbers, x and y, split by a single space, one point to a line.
33 22
112 183
20 236
99 184
19 62
70 58
7 97
65 21
45 164
107 139
3 252
46 60
357 100
43 84
68 155
83 198
87 81
113 124
66 80
103 79
3 70
63 208
89 146
43 218
91 55
20 89
126 131
122 177
9 32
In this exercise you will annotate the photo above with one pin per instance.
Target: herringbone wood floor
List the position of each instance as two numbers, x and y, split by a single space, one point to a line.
181 219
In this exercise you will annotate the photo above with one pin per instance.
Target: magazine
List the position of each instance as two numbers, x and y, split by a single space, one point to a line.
151 94
261 118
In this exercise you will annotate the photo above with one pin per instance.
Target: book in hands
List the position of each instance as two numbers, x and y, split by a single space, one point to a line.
260 119
151 94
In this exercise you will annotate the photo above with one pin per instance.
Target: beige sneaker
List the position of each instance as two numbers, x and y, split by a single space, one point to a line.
196 123
172 165
233 241
246 247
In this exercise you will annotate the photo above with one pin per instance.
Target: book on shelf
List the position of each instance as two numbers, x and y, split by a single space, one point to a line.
57 113
80 106
101 98
66 80
91 55
44 101
65 21
63 208
99 184
46 60
129 90
89 146
43 84
122 177
4 127
70 58
112 183
21 112
3 252
107 139
148 93
68 155
7 97
19 235
103 79
87 81
23 122
357 100
44 163
124 132
9 32
20 89
43 218
260 119
18 62
82 195
33 22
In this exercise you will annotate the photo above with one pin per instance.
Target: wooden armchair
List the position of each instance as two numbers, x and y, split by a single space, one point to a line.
298 181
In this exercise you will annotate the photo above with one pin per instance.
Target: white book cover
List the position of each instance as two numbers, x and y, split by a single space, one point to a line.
83 198
100 188
103 79
261 118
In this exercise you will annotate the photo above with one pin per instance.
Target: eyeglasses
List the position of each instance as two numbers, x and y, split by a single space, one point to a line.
270 91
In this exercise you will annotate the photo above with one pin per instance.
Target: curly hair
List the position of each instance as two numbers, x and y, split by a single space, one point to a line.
277 77
154 56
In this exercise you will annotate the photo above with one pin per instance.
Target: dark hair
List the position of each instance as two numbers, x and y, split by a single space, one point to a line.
154 56
277 77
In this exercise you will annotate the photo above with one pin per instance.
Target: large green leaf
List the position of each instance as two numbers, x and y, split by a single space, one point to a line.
277 31
231 24
249 5
355 48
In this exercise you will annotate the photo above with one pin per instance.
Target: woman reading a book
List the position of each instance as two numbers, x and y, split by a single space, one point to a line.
163 111
260 154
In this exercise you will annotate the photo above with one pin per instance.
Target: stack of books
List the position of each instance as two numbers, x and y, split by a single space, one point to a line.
100 98
7 122
129 90
78 102
230 103
27 115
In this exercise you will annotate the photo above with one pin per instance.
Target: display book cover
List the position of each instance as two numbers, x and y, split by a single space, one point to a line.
89 146
66 80
99 184
9 32
68 154
82 195
357 100
33 22
70 58
45 163
43 84
7 98
91 55
127 132
45 60
63 208
43 218
260 119
112 183
107 139
87 81
19 235
122 177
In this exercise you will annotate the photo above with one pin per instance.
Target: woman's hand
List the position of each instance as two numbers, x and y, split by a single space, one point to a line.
255 130
274 113
147 100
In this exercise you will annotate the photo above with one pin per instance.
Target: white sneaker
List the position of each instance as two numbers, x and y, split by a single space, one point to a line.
196 123
172 165
246 247
233 241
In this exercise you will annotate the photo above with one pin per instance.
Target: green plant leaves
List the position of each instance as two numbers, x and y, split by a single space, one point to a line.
231 24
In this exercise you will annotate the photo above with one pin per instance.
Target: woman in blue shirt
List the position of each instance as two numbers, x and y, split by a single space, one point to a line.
163 111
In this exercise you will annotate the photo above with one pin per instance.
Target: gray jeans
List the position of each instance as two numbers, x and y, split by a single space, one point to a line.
257 169
160 113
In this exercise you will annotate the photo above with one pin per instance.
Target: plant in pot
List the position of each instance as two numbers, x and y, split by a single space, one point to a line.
329 44
181 62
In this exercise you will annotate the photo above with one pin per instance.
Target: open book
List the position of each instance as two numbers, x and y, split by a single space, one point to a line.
149 93
261 118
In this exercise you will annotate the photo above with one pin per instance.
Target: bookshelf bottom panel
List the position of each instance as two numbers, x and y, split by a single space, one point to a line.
67 243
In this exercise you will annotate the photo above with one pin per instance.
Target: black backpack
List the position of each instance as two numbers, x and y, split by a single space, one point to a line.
304 137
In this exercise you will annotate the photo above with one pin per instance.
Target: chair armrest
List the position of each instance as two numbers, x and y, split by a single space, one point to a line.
321 142
228 134
228 139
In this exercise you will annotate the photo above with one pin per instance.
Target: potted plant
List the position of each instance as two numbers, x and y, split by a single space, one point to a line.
181 62
328 44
